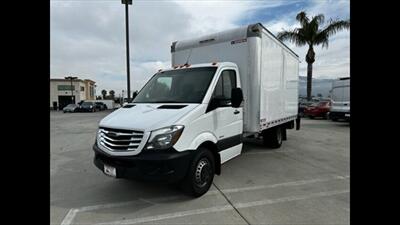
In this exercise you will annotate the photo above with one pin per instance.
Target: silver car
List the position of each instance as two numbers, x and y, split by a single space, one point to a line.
70 108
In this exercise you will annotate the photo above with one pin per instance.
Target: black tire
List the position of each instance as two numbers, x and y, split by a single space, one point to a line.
311 117
273 137
201 172
334 119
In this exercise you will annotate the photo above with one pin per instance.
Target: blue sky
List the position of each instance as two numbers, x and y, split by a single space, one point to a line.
88 36
290 7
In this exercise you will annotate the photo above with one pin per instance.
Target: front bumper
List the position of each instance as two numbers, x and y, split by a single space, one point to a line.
315 113
85 109
165 166
339 115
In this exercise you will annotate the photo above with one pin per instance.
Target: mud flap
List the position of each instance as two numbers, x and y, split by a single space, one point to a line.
298 122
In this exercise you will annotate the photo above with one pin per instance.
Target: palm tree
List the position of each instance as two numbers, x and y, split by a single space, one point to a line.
310 34
112 93
104 93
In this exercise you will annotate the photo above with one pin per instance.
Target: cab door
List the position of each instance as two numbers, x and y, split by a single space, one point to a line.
227 121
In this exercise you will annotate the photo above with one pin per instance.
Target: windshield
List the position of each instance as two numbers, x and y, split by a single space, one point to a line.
177 86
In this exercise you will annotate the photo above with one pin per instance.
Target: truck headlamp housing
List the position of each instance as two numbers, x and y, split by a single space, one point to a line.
164 138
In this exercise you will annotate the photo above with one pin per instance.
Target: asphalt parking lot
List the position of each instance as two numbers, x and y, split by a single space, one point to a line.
306 181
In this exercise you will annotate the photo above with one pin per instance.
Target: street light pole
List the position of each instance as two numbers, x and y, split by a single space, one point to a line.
127 2
72 92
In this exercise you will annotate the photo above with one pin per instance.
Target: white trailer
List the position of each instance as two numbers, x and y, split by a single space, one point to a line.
108 102
268 71
340 99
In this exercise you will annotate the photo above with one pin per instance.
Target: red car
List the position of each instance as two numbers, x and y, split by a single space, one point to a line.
319 109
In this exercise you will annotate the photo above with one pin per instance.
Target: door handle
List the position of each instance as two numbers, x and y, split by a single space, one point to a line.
236 112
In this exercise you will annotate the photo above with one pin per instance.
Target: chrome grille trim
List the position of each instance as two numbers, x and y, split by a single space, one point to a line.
121 141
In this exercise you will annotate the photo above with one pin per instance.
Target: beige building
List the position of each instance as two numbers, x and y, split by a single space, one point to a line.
60 91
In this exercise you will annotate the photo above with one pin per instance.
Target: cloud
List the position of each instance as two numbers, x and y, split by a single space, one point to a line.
88 37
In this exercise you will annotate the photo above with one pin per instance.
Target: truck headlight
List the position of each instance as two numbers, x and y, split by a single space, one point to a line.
165 137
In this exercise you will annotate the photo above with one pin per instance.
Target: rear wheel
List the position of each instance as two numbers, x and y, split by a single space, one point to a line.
201 173
273 137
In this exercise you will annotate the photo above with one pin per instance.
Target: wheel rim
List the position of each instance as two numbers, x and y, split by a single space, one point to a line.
203 172
279 135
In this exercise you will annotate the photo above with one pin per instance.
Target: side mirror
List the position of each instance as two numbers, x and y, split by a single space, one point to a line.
237 97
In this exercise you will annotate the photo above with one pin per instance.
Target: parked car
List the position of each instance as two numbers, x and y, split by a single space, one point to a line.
320 109
87 107
100 106
303 106
70 108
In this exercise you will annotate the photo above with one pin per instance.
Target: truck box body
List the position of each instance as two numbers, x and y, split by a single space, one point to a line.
340 97
268 71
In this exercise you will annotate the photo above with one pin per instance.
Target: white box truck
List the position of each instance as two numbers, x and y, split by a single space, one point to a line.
340 99
188 120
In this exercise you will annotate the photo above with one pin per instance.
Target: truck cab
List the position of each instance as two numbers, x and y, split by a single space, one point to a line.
184 123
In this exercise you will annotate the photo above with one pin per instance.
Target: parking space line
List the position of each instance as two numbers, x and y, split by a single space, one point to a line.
171 215
289 199
286 184
69 217
266 152
225 208
74 211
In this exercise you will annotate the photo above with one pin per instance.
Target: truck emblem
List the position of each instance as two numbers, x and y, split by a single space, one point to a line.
113 134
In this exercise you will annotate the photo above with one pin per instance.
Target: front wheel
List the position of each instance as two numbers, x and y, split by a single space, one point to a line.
201 173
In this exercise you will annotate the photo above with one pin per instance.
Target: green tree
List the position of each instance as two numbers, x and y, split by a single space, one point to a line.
104 93
309 33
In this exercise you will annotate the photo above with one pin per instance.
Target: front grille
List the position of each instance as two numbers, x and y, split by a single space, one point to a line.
120 140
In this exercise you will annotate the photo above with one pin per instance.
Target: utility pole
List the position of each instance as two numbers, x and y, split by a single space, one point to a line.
126 3
72 91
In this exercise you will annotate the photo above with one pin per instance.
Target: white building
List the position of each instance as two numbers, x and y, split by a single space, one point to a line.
60 91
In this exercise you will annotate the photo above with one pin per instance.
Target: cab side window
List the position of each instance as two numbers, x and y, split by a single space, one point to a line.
224 86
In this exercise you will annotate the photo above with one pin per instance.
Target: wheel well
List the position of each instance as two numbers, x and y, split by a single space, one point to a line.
214 150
